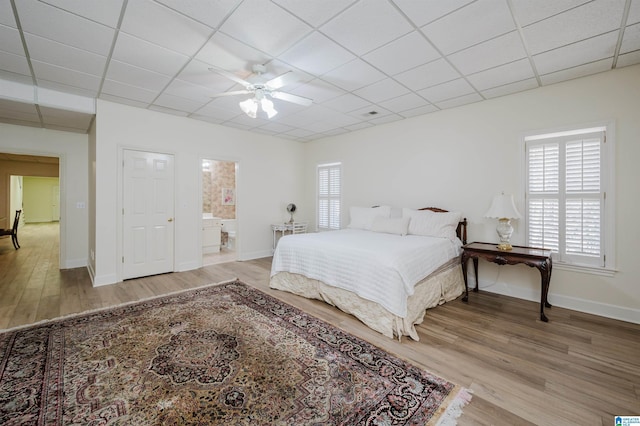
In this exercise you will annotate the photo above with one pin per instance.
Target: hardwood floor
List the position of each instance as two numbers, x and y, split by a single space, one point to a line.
578 369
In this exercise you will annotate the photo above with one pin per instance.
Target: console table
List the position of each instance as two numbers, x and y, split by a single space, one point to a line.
534 257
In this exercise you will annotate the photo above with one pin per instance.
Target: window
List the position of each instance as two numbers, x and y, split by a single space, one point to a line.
565 192
329 188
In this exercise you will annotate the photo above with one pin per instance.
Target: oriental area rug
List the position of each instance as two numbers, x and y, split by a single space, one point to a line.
225 354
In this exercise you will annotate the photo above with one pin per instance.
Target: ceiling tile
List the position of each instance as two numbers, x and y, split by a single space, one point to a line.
143 54
634 13
36 18
318 90
475 23
382 90
190 91
433 73
628 59
427 109
104 12
122 90
366 26
507 89
44 71
317 54
426 11
177 102
353 75
575 72
528 12
205 118
67 119
387 119
404 102
276 127
448 90
44 50
402 54
314 13
369 113
631 39
18 111
168 110
10 40
589 50
124 101
231 55
462 100
6 14
135 76
197 72
14 64
164 27
588 20
346 103
254 21
210 13
504 74
498 51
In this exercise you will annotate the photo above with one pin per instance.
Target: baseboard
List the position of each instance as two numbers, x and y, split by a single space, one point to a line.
75 263
255 255
104 280
188 266
92 273
575 303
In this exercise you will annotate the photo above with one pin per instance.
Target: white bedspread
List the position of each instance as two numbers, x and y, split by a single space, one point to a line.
383 268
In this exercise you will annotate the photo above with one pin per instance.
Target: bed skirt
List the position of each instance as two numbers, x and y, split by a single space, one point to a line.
444 285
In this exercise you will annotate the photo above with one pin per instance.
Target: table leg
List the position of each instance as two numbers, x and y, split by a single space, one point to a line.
465 260
545 279
475 270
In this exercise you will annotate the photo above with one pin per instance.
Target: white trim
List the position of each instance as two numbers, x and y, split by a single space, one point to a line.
608 153
567 302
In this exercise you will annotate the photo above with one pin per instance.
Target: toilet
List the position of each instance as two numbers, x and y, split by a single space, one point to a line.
229 226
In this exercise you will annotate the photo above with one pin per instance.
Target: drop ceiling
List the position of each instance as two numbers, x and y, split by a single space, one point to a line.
363 63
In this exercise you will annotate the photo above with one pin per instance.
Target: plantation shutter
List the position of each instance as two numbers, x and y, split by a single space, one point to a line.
329 186
565 197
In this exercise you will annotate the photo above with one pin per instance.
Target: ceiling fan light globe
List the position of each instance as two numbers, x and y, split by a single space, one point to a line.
249 107
267 106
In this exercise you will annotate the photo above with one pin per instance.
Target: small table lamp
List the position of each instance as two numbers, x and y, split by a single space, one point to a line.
504 209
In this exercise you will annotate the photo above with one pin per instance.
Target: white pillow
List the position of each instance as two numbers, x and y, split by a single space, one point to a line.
388 225
432 224
362 217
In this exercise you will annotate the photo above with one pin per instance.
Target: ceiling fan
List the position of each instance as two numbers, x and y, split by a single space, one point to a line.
261 91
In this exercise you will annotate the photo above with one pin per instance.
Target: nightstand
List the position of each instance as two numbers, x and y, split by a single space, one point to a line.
531 256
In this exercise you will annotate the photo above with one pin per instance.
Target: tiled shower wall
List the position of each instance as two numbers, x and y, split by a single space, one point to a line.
222 174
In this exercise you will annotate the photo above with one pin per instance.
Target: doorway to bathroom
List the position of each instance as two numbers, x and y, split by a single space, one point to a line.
219 211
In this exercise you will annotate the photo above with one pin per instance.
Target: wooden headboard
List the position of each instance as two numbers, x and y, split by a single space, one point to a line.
461 230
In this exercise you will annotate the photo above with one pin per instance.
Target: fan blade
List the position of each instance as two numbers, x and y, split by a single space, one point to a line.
281 80
235 92
230 76
292 98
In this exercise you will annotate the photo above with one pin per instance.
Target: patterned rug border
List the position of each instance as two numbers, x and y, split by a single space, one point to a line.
119 305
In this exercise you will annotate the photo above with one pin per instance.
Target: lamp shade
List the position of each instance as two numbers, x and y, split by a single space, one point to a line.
503 207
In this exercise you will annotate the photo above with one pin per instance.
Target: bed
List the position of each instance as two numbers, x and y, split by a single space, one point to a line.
385 269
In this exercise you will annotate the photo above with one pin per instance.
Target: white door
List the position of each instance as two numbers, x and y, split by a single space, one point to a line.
148 209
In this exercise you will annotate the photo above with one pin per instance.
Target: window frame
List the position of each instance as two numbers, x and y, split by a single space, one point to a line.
329 166
607 182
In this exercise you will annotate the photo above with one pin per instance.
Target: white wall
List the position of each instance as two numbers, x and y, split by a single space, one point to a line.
458 159
268 178
71 148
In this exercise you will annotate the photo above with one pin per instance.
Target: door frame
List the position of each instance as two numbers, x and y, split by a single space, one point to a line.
216 157
62 182
120 204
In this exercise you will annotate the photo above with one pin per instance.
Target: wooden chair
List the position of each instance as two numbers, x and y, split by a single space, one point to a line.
13 231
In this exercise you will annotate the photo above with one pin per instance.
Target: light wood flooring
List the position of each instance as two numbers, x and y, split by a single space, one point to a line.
578 369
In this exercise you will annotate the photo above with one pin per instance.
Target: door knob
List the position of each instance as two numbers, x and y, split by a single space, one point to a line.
170 219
